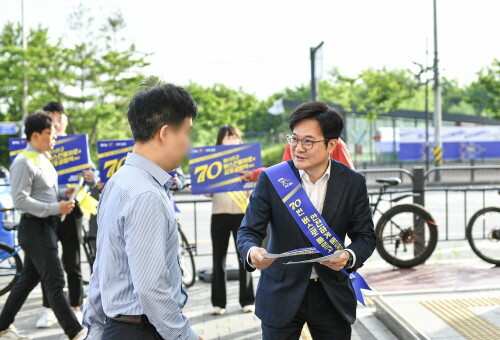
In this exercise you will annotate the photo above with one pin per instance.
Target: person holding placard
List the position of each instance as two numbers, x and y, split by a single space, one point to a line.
36 194
227 212
69 234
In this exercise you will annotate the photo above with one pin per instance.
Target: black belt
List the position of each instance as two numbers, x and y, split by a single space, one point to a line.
132 319
53 217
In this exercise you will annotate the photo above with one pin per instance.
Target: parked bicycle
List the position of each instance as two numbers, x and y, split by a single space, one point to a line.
483 234
406 233
11 264
186 259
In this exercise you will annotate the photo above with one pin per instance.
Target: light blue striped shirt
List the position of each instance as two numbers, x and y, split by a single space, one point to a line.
137 269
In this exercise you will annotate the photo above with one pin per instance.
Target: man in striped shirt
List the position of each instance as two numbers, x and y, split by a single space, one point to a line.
135 291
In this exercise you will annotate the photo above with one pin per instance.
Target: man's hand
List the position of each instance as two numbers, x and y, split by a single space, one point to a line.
258 260
175 185
339 262
100 186
200 338
89 176
246 176
70 191
65 207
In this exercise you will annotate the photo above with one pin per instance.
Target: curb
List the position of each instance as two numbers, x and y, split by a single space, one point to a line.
398 325
379 294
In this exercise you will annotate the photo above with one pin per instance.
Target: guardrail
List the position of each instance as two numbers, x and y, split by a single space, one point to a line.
419 183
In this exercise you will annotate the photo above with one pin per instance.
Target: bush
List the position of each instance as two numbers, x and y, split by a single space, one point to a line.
272 155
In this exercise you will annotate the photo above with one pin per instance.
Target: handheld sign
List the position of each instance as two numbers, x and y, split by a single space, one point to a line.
70 156
112 155
216 168
73 195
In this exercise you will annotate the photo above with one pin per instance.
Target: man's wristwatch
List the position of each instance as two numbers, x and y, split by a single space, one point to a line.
349 262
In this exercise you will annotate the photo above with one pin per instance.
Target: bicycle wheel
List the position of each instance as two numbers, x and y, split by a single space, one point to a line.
406 235
11 267
186 260
483 234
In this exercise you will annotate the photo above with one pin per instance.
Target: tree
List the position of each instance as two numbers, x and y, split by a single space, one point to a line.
47 69
108 75
219 105
484 93
372 91
94 79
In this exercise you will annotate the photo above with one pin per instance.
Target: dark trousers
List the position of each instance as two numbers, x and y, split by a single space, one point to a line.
323 320
222 227
38 239
118 330
70 236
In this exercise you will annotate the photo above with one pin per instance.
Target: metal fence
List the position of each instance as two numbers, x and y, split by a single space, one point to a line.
451 203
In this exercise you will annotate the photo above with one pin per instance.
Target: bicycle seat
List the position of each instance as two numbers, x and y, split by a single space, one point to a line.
389 180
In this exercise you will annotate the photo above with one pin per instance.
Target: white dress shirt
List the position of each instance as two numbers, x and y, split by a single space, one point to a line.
316 193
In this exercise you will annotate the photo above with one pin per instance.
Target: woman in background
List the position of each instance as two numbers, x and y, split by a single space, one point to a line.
226 219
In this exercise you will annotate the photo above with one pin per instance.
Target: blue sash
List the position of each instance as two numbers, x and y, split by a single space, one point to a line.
310 221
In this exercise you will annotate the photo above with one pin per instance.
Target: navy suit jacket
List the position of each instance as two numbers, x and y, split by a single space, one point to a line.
281 288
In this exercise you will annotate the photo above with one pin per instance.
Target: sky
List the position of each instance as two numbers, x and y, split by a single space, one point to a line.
263 46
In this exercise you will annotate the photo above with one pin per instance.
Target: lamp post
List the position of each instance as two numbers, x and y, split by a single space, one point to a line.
314 90
25 76
438 143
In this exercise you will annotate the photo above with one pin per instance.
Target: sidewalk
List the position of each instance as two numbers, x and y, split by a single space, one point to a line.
234 325
447 300
453 300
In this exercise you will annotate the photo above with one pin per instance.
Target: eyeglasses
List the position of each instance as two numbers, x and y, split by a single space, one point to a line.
307 144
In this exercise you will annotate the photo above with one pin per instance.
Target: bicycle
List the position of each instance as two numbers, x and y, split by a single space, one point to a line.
483 234
11 265
186 256
408 225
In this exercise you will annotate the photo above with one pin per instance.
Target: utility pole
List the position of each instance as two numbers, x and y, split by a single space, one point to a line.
25 65
438 143
314 86
424 71
426 108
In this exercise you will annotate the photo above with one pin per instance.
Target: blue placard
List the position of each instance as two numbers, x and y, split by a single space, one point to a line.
215 168
16 146
112 155
70 156
9 128
459 143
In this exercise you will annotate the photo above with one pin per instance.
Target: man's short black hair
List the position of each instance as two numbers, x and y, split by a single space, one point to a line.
54 107
156 106
37 122
329 119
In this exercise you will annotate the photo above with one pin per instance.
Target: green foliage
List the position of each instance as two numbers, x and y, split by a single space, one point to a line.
484 94
97 76
94 79
272 155
219 105
372 91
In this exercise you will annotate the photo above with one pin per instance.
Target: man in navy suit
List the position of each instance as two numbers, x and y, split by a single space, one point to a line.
317 294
